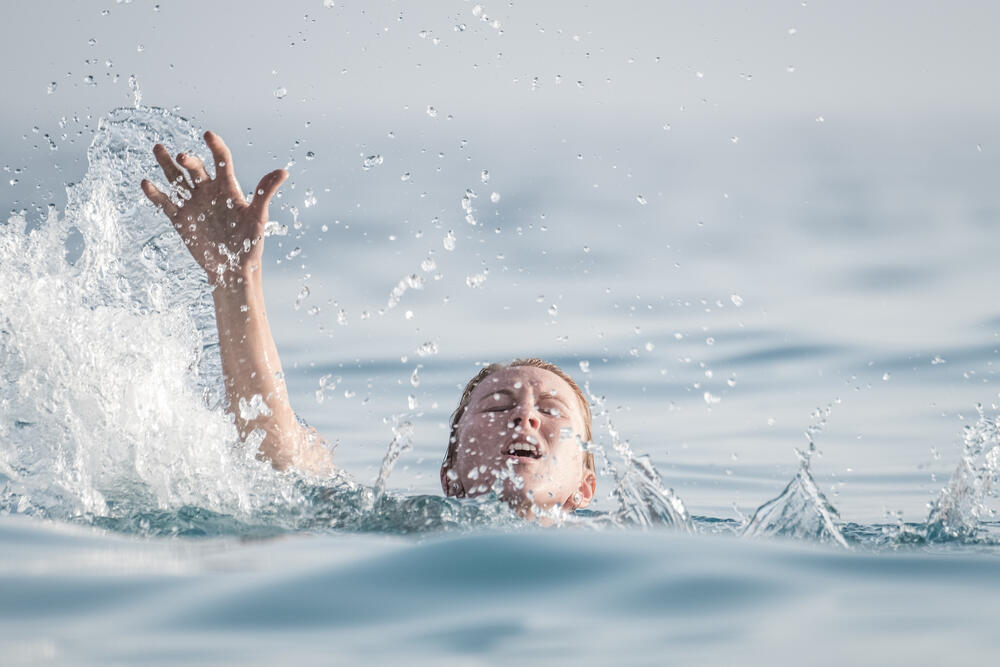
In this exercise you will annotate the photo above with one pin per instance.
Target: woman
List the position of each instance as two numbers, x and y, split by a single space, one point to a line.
518 428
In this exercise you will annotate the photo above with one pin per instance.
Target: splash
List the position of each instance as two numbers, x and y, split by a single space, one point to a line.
642 498
801 510
111 392
964 505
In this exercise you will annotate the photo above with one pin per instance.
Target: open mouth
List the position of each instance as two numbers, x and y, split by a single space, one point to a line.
524 449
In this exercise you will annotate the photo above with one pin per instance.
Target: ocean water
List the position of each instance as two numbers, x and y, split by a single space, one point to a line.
790 355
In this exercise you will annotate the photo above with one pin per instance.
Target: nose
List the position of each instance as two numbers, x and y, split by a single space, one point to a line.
530 415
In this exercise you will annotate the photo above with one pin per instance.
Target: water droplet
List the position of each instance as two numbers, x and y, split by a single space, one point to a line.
735 140
494 197
792 30
51 88
310 155
475 281
885 377
415 376
427 349
280 92
711 399
309 199
405 177
423 34
139 48
342 318
640 199
91 42
485 176
294 253
449 240
585 366
709 341
553 310
411 402
428 265
302 295
329 4
579 84
432 112
649 347
371 161
736 299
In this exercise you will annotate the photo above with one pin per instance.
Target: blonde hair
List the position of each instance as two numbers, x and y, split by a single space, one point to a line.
453 488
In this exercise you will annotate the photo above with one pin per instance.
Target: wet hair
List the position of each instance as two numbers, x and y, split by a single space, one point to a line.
454 488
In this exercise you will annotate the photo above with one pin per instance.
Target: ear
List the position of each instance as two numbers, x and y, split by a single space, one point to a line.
588 486
451 488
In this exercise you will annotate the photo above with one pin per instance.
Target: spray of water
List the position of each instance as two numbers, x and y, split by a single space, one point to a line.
111 390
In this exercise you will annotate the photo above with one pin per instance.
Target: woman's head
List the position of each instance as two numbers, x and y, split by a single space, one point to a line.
522 423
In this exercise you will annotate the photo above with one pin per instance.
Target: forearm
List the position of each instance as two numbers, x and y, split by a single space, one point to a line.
252 368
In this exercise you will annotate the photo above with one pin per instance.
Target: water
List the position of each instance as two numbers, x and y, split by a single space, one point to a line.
779 458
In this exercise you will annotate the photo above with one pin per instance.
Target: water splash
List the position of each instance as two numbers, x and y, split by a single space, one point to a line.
965 503
801 510
110 386
642 498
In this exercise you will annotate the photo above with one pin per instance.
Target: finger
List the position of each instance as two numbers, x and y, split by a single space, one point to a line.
170 170
220 155
195 167
265 191
160 200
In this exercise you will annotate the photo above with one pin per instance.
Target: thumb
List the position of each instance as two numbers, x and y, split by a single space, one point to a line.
265 190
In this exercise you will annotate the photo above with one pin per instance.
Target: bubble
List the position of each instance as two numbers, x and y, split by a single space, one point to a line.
280 92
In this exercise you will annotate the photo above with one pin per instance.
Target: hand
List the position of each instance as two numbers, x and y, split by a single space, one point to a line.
221 229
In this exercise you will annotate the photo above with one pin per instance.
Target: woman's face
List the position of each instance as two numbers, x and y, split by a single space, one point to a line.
524 425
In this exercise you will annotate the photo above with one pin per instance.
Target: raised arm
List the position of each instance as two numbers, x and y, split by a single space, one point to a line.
225 235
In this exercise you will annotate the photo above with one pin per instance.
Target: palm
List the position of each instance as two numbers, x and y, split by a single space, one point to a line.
221 229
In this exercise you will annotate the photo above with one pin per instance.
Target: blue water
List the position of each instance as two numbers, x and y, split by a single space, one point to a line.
798 338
